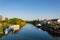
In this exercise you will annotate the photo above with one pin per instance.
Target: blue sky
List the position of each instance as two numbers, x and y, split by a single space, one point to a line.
30 9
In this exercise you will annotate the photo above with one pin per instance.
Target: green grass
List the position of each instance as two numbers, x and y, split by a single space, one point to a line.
1 29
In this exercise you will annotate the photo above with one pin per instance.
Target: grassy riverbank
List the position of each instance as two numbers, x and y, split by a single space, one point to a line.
1 29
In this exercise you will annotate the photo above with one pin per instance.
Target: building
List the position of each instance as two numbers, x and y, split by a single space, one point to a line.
15 27
58 20
54 21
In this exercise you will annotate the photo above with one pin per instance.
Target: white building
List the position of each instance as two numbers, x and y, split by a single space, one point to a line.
58 20
15 27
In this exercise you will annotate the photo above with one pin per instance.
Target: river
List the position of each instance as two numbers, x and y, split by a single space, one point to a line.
29 32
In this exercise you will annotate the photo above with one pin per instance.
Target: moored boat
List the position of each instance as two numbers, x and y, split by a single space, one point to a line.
38 25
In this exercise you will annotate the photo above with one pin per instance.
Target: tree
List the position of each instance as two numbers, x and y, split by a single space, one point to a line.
0 18
18 21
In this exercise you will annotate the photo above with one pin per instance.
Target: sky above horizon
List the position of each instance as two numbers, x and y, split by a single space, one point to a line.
30 9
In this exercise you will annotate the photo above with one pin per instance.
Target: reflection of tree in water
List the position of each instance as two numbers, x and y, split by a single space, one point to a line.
54 35
1 35
15 32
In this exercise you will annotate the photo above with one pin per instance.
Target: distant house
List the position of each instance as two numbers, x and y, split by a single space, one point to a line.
54 21
58 20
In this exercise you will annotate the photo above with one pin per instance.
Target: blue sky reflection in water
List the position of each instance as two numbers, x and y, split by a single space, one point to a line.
30 9
30 32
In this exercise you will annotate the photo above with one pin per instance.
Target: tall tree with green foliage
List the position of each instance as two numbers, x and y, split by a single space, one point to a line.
18 21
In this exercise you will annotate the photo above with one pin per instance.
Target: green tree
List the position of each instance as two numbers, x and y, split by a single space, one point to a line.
18 21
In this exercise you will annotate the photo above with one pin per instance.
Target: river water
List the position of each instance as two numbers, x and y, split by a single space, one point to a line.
29 32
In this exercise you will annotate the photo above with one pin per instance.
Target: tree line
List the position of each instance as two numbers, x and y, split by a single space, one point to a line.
12 21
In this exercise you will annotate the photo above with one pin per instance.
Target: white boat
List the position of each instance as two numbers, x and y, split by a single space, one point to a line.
6 31
38 25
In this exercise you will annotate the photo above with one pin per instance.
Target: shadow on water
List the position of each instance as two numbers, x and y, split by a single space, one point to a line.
1 35
54 35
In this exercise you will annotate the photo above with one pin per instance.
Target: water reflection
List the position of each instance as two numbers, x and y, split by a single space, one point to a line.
29 32
1 35
54 35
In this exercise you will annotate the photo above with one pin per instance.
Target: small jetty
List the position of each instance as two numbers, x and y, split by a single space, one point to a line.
11 28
